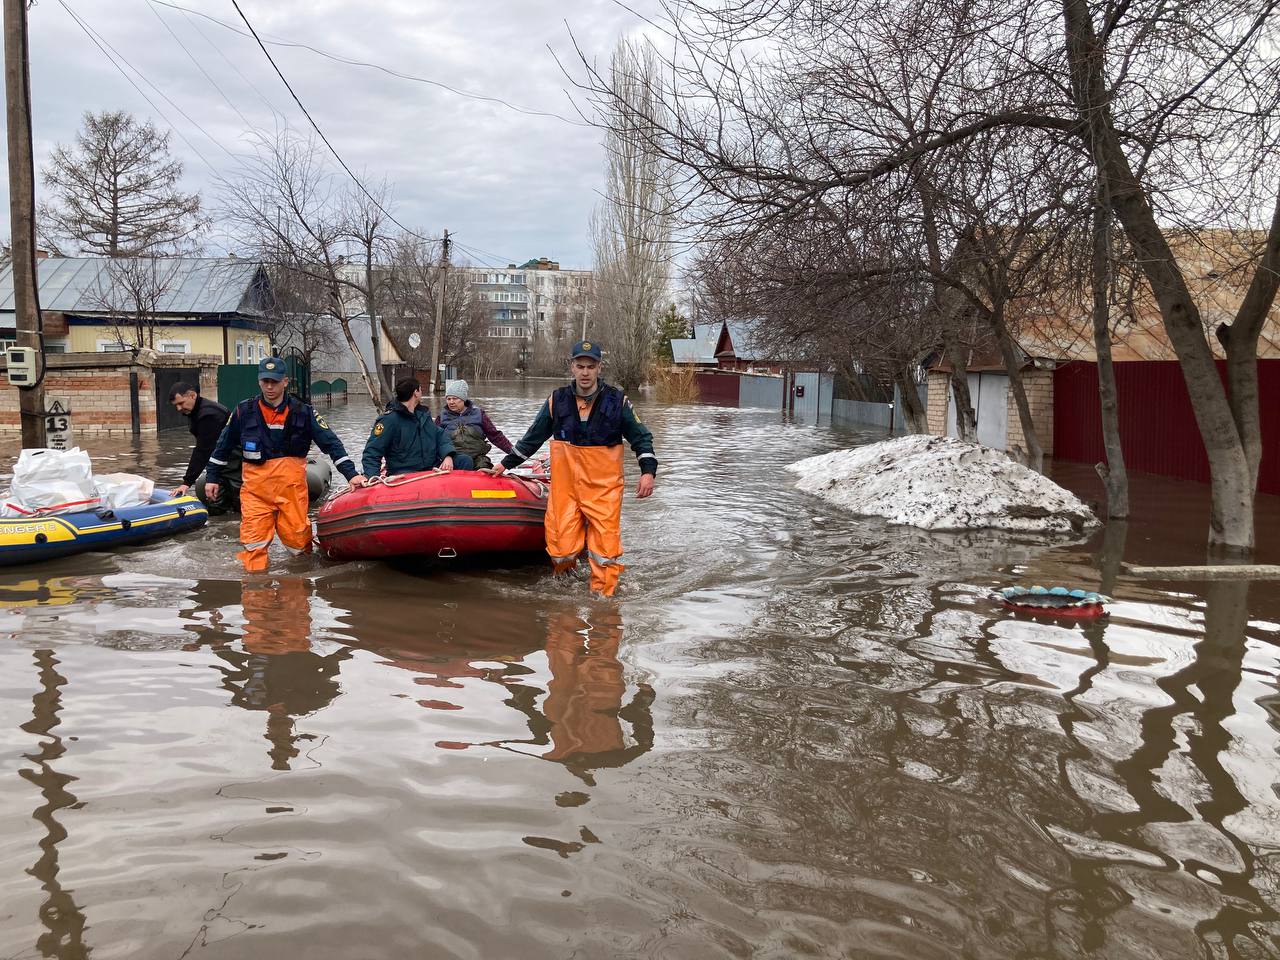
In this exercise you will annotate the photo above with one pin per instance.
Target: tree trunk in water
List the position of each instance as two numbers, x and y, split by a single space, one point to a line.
1231 480
966 421
913 411
1013 367
1113 472
1114 536
1241 343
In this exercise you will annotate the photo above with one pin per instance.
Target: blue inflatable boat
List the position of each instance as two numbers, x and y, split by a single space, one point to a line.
43 538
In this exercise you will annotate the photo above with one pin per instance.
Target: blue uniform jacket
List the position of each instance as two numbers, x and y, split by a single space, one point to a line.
633 431
277 444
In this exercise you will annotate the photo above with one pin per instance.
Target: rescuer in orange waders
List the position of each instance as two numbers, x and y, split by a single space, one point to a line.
274 432
586 421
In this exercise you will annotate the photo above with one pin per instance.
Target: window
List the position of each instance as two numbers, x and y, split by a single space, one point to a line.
517 278
175 346
239 351
111 346
262 353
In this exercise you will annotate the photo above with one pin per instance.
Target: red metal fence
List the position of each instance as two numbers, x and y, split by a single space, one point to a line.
721 389
1157 427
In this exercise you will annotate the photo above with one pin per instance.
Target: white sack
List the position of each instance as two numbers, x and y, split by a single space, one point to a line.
51 481
118 490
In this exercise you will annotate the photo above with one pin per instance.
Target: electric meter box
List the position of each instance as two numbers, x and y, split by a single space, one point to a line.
21 362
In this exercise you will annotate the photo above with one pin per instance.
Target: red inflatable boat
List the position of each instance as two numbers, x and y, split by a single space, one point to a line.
432 514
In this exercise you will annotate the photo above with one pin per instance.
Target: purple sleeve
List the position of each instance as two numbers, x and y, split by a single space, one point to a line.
494 435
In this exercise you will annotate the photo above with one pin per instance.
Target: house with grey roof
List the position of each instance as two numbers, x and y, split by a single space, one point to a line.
178 305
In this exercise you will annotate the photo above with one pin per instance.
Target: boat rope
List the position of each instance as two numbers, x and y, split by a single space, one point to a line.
534 481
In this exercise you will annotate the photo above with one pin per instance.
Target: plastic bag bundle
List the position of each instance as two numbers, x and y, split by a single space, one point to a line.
116 490
49 482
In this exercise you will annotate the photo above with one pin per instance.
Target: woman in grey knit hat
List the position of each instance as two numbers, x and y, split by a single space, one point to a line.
469 426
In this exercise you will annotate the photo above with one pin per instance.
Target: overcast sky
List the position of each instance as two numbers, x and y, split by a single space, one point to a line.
507 184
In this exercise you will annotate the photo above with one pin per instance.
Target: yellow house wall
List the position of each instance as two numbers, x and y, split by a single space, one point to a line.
84 339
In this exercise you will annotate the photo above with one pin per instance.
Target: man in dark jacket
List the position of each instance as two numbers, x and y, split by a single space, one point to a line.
408 439
207 417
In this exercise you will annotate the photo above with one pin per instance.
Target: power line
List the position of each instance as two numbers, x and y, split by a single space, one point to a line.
315 126
178 40
229 62
337 58
95 38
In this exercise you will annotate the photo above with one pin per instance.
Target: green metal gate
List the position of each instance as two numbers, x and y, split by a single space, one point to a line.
236 382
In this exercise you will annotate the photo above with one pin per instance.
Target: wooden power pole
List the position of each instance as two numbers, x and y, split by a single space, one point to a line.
22 202
441 283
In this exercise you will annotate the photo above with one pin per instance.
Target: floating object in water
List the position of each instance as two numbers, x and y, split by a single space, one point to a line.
32 539
434 514
1054 601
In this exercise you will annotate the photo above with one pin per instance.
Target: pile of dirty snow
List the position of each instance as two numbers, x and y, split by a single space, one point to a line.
940 483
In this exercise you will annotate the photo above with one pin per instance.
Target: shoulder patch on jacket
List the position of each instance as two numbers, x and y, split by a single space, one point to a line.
320 421
378 428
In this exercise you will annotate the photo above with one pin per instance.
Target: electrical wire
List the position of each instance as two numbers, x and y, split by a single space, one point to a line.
337 58
99 43
315 126
227 60
164 23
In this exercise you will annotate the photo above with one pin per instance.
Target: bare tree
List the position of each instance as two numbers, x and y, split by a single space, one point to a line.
299 319
300 219
115 192
631 230
775 112
410 306
131 291
367 222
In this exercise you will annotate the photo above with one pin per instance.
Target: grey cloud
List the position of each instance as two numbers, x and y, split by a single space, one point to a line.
504 182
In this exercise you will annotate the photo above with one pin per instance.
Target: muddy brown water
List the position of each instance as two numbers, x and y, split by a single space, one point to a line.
795 733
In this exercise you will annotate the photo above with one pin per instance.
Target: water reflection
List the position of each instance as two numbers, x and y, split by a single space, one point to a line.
60 914
276 671
862 755
583 709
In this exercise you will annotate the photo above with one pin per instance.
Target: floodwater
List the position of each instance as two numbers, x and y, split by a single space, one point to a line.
795 733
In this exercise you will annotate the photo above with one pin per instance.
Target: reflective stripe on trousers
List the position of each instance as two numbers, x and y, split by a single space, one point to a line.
273 502
584 511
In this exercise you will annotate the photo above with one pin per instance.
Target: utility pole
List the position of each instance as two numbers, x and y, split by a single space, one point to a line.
22 202
441 281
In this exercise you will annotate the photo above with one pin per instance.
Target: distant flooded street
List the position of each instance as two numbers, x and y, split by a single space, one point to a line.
793 733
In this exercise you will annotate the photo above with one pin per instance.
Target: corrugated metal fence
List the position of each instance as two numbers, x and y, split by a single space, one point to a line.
1157 426
862 413
760 391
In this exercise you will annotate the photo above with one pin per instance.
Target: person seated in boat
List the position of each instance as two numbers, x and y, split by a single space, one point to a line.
407 439
469 427
207 417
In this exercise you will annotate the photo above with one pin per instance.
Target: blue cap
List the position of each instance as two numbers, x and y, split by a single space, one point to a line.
272 368
585 348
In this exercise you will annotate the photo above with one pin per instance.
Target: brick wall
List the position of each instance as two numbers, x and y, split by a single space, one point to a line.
939 397
97 386
1039 387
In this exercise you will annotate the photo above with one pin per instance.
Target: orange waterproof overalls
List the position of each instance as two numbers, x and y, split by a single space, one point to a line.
584 509
273 500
